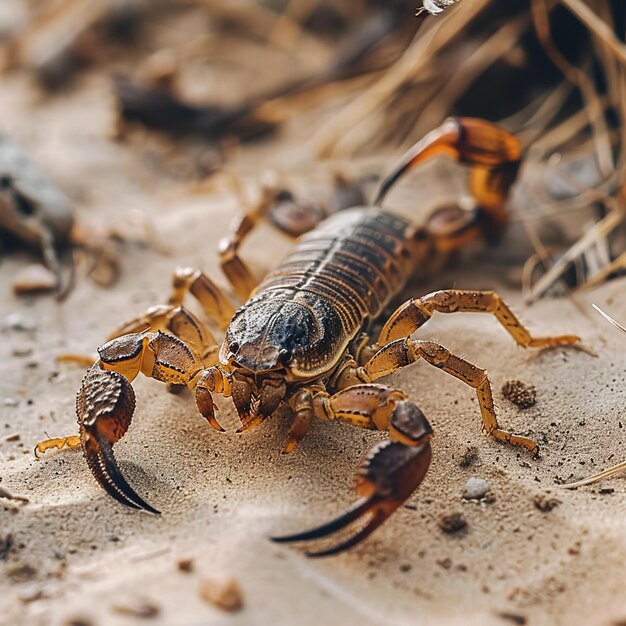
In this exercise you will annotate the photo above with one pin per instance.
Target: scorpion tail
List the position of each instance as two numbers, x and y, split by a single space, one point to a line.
387 478
474 142
105 405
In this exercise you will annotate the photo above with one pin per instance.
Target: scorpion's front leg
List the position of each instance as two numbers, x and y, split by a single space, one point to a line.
393 470
185 281
106 400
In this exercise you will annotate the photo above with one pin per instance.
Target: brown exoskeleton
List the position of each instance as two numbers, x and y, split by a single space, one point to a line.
299 347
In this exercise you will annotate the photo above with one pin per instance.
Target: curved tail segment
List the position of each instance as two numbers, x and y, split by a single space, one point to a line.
493 156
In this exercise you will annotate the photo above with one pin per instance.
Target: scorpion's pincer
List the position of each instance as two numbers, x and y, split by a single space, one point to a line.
204 398
387 478
105 406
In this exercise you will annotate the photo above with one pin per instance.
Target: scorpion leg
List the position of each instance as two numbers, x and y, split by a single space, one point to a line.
71 442
237 272
185 280
301 406
393 470
493 156
402 352
416 312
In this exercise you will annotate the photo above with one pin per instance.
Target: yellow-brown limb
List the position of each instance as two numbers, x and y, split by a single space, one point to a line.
106 400
71 442
392 471
78 359
214 303
403 352
303 413
176 319
414 313
237 272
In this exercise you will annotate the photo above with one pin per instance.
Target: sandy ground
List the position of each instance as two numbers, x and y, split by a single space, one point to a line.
77 557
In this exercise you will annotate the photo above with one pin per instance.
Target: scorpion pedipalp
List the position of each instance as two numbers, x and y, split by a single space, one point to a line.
105 406
387 478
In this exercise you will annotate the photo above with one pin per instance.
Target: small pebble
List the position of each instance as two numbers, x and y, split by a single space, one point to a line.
20 572
16 321
22 351
223 593
476 488
78 621
514 618
10 402
185 565
453 523
34 278
141 608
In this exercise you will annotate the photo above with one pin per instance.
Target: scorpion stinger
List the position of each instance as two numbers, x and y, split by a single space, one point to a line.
493 156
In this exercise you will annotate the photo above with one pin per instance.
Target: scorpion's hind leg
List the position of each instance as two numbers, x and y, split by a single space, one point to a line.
393 470
415 312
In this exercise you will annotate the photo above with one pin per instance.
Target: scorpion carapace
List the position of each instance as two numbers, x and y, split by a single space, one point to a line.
299 346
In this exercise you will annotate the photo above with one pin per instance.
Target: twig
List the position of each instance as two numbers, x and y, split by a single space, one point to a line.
609 319
540 13
601 229
9 496
598 27
416 57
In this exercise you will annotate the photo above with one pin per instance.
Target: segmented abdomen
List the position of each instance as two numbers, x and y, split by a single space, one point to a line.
357 260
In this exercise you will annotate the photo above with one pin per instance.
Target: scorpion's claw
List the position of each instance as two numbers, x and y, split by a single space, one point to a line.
100 458
388 477
105 406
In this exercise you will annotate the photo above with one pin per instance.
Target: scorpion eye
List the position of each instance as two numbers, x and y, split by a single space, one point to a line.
284 355
234 347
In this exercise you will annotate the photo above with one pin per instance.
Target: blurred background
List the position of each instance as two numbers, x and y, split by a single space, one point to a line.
196 88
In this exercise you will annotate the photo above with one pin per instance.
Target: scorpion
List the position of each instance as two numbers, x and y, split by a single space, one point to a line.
299 347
